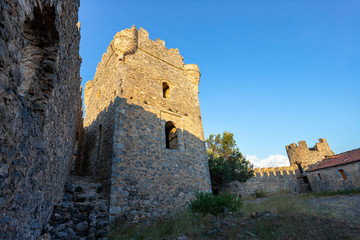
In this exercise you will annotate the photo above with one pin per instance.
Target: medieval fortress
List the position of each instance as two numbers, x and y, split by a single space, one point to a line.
285 179
142 135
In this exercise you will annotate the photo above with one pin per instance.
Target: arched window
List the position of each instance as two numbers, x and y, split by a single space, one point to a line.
166 90
171 136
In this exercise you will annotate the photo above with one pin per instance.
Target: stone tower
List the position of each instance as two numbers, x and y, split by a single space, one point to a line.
303 156
143 127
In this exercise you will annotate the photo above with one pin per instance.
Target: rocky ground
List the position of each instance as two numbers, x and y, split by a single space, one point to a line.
345 208
331 217
82 214
292 216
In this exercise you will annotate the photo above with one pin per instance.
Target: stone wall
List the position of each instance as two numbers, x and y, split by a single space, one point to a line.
39 99
330 179
268 180
284 179
303 156
75 166
146 100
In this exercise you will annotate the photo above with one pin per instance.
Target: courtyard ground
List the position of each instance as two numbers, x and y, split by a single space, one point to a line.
292 216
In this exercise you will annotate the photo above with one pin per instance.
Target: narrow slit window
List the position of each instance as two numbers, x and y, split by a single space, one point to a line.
300 168
166 90
343 175
319 177
171 136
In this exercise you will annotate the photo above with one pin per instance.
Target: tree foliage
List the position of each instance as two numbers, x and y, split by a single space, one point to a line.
226 162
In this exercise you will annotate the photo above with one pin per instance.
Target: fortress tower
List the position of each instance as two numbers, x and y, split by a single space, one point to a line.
303 156
143 127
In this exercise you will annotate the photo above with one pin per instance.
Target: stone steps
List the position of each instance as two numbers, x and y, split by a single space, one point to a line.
83 213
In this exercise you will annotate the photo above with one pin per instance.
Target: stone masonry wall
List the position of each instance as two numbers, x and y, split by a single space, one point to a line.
284 179
330 179
147 179
39 95
268 180
99 99
304 156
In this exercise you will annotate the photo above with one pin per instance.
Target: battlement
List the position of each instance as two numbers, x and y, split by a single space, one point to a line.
128 41
131 41
301 154
278 171
322 144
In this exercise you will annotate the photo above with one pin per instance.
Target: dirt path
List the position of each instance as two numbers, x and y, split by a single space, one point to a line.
342 207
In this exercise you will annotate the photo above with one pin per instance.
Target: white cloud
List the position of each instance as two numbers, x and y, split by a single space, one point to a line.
276 160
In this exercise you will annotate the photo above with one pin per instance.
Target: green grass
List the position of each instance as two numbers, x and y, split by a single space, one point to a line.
333 193
291 217
181 223
260 194
206 202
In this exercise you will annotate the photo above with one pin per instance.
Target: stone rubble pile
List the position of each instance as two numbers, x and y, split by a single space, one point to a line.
83 213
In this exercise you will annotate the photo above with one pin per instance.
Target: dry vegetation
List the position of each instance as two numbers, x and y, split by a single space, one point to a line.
300 216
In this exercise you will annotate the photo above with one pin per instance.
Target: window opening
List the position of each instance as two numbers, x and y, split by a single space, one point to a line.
319 176
300 168
171 136
166 90
343 175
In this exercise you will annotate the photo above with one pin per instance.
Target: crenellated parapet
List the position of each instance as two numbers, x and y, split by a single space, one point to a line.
273 172
130 41
268 180
303 156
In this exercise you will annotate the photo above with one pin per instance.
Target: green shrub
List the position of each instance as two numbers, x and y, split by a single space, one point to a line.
260 193
206 202
78 189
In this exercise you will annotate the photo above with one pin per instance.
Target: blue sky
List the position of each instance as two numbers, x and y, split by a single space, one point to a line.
272 72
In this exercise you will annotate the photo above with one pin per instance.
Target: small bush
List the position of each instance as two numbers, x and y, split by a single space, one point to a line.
214 204
78 189
260 194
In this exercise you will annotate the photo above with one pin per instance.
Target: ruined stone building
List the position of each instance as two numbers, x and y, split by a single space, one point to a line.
285 179
40 100
143 128
302 156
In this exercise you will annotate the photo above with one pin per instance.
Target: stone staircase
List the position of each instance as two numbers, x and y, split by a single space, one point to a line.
83 213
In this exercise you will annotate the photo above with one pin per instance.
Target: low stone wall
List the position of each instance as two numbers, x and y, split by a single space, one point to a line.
269 180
